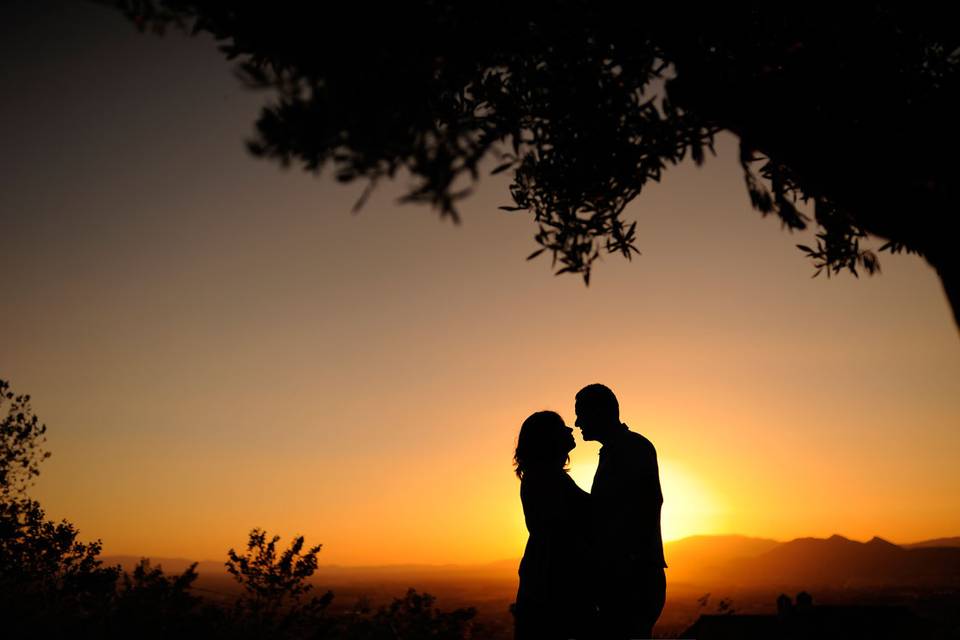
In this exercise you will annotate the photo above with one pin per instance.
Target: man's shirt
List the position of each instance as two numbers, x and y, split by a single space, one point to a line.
627 500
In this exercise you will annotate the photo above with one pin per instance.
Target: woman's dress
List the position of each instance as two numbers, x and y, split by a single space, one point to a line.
553 600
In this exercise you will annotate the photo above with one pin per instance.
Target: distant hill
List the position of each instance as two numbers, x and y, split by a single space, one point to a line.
340 572
842 563
835 562
937 542
458 585
693 558
731 560
751 571
169 565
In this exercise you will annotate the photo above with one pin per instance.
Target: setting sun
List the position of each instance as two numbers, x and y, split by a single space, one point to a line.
689 507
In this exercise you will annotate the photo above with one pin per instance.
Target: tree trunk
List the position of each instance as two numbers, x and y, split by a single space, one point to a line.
948 268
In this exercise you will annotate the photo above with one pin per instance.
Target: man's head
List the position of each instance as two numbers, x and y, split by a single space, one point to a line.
598 411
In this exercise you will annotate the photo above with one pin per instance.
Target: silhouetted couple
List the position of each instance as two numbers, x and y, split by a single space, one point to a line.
593 566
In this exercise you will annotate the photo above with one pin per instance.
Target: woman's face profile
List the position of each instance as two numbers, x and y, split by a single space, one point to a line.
566 434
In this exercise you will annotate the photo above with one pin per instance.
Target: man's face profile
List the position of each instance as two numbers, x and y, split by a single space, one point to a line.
586 420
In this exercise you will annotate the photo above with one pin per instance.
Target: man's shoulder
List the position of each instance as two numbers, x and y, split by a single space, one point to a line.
636 445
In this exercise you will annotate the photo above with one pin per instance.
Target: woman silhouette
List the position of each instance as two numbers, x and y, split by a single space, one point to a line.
553 600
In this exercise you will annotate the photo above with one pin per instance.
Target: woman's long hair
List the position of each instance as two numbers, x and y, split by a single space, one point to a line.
540 444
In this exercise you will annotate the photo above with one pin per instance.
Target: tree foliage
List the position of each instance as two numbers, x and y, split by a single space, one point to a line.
52 585
151 604
275 586
22 439
412 616
845 113
50 582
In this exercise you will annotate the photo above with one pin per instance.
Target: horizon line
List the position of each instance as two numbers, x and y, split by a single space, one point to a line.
483 563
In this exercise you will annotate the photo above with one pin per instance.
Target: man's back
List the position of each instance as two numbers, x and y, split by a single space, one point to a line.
627 501
629 578
631 583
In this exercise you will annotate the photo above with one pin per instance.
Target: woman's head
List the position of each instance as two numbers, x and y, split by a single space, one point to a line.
544 443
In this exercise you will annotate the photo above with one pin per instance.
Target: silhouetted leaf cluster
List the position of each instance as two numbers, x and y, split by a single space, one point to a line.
49 581
21 442
545 93
275 586
150 603
850 107
412 616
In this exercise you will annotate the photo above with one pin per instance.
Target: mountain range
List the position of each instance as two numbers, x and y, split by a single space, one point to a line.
835 562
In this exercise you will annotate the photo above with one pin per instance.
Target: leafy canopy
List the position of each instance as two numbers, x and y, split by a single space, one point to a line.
849 109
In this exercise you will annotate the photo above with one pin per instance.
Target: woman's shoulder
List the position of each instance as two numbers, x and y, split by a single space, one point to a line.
544 482
557 487
573 490
556 479
536 481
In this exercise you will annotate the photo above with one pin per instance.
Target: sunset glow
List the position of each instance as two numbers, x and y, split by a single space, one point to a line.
689 506
217 345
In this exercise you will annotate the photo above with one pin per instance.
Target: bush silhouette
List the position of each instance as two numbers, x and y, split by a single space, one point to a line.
150 604
275 588
411 616
52 585
50 582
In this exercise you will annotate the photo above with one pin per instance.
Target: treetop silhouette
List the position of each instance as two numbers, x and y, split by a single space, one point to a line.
52 585
846 115
22 440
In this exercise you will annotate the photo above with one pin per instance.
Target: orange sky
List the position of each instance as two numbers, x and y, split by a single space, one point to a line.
216 344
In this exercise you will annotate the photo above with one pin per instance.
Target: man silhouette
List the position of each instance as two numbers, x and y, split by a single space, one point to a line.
628 548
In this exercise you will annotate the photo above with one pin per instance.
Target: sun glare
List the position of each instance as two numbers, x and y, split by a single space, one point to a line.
689 507
582 472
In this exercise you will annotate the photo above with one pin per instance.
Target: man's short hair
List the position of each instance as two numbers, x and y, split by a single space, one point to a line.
600 400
